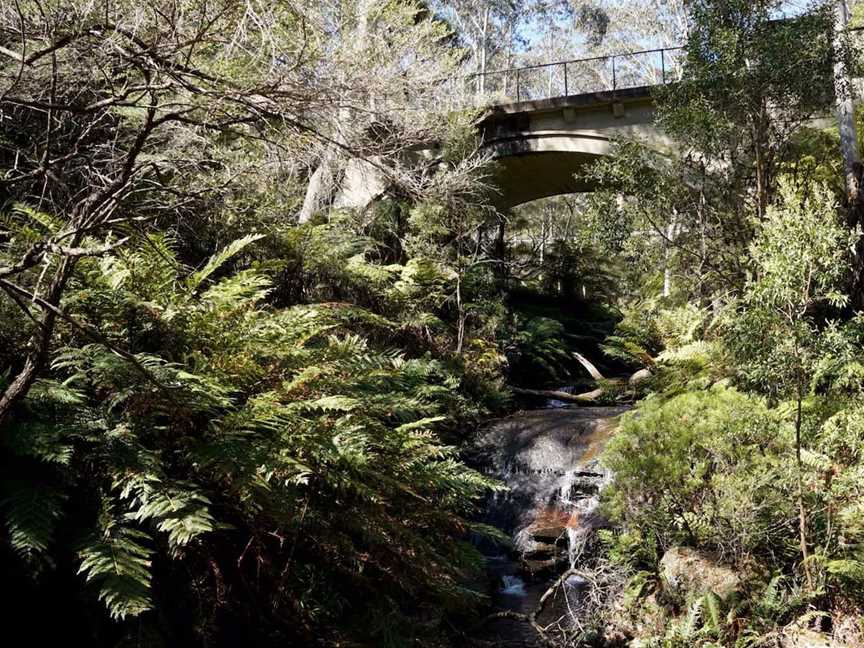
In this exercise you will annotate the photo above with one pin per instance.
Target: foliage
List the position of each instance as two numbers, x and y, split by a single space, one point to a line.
636 339
694 469
798 259
539 349
230 408
231 424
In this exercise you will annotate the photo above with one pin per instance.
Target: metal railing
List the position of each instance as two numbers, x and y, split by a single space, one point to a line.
572 77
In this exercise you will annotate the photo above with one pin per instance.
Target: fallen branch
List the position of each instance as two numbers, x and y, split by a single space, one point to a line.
584 398
589 366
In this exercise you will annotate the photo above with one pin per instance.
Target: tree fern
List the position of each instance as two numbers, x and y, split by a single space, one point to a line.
285 418
217 260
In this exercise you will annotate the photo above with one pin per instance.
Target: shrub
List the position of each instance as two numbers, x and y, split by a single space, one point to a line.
707 468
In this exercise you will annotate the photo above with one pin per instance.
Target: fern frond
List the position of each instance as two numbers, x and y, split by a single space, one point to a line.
217 260
45 441
239 290
31 513
119 564
176 508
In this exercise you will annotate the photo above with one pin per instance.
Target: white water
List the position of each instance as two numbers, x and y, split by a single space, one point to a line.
549 461
512 585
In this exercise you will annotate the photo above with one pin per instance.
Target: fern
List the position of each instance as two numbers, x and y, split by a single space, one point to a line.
237 291
45 441
175 508
713 613
331 404
194 281
285 417
31 514
118 563
848 570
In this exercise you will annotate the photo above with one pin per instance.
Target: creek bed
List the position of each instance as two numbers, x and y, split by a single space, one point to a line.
548 458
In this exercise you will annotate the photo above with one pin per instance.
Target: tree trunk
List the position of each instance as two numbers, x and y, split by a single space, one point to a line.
845 111
760 144
484 47
460 317
667 258
39 344
844 106
322 186
587 397
802 511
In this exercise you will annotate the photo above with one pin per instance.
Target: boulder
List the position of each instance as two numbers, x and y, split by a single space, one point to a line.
635 623
547 532
548 526
541 551
536 568
687 572
640 377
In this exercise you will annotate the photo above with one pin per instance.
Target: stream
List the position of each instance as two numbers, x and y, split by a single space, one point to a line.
548 458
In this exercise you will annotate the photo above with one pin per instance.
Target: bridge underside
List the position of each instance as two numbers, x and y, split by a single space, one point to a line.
530 176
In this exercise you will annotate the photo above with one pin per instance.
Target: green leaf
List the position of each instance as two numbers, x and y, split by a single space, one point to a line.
31 512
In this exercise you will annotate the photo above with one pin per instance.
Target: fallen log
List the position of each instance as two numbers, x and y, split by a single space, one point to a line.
585 397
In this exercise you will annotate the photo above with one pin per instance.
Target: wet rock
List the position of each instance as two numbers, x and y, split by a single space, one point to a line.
547 533
548 526
547 458
536 568
541 551
687 572
640 377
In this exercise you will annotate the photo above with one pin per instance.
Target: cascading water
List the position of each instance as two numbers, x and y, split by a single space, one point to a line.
549 460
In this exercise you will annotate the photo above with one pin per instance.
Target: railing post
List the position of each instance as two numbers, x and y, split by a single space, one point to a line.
663 66
566 93
614 79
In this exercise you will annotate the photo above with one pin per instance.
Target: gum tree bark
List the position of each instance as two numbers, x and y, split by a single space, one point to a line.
852 170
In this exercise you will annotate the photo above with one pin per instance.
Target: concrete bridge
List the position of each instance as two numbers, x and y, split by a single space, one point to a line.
541 146
554 128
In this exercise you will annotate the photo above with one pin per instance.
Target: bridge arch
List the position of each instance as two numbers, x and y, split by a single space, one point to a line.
541 146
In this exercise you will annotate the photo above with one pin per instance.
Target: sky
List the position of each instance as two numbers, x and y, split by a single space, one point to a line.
533 31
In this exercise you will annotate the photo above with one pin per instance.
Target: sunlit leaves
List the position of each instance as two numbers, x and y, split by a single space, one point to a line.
118 563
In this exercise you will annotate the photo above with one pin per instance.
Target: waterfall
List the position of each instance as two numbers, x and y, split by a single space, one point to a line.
549 459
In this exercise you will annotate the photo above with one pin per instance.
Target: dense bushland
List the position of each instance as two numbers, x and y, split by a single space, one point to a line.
232 411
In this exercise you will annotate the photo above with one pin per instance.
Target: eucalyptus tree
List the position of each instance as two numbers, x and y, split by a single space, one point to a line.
390 61
750 84
799 259
609 27
497 35
750 87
